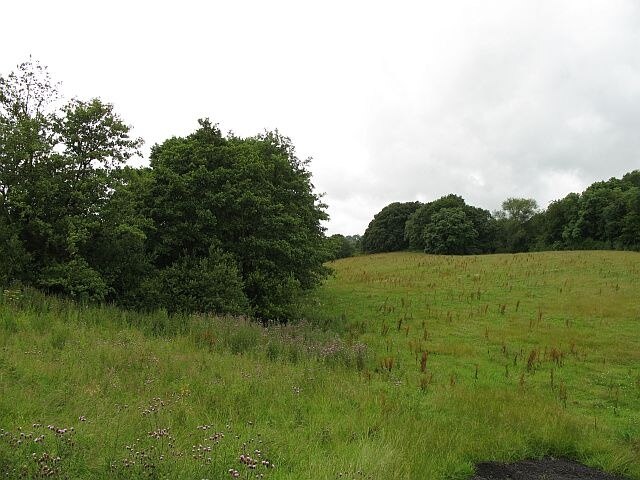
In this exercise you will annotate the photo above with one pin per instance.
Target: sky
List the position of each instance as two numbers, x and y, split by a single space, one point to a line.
394 101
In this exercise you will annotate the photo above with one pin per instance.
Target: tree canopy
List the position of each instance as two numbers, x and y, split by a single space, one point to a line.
56 169
450 232
251 198
425 228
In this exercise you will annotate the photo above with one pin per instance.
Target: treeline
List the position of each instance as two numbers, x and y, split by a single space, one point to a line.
605 216
216 223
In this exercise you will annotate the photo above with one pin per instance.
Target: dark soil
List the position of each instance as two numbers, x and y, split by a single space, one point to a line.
544 469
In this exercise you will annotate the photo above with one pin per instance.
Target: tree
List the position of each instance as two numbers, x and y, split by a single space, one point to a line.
514 224
630 227
519 209
385 232
632 179
450 232
25 141
485 226
118 248
605 215
250 198
553 231
481 220
340 247
356 243
25 126
418 220
55 179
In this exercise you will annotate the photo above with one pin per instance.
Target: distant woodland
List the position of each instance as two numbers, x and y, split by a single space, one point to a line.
606 216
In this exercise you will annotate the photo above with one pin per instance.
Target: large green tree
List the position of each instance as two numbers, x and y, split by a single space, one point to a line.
421 221
251 198
56 168
450 232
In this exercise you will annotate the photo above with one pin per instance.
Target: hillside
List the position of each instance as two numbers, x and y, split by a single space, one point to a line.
411 366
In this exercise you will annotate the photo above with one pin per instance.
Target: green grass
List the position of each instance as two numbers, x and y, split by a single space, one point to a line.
441 362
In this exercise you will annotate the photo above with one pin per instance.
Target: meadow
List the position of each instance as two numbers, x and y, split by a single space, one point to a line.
408 366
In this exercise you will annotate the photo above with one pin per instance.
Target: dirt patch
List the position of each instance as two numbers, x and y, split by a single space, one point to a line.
544 469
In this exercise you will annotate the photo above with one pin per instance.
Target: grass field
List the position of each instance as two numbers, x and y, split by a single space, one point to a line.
411 366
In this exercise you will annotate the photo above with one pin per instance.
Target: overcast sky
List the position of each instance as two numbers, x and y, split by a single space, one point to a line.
395 101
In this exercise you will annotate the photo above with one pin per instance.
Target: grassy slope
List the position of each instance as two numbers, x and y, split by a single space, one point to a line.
318 407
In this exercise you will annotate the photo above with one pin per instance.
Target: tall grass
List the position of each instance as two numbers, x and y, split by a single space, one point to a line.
440 362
